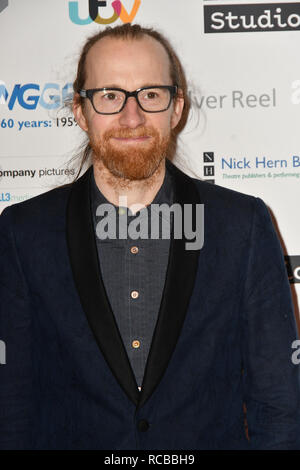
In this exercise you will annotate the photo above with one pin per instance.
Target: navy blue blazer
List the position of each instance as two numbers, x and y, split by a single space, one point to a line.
223 336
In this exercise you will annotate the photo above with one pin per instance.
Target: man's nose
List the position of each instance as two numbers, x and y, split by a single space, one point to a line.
132 115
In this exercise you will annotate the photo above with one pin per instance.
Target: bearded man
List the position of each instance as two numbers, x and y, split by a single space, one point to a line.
128 342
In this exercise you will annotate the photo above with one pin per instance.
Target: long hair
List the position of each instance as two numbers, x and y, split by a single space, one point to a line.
129 31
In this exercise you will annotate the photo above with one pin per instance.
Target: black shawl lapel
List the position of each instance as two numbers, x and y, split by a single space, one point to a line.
180 278
87 276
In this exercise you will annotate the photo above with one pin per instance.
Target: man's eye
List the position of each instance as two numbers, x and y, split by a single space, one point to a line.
109 96
151 95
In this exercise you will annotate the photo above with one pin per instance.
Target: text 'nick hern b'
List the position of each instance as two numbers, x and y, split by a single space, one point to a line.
154 221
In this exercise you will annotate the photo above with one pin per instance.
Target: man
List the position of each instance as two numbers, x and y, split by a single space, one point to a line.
128 343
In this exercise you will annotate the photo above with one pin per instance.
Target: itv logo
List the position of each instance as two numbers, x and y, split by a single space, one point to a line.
94 6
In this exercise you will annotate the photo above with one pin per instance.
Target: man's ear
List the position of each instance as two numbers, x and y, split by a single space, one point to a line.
78 113
177 110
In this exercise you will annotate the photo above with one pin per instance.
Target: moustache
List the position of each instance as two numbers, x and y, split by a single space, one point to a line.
130 133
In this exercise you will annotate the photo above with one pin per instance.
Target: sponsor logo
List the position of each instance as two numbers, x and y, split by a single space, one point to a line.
293 268
3 4
9 197
208 157
29 95
263 163
241 167
36 173
3 92
251 17
96 7
209 170
238 99
5 197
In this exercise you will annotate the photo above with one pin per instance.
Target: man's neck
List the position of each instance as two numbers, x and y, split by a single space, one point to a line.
140 192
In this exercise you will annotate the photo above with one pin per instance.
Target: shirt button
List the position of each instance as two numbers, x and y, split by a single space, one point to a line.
143 425
135 344
134 249
134 294
122 211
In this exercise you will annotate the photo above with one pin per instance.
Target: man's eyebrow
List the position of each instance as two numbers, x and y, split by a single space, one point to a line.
148 84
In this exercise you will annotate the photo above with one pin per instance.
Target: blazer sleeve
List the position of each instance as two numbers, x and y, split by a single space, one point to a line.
16 389
271 382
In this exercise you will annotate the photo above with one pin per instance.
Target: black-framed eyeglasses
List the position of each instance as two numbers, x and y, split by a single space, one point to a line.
151 99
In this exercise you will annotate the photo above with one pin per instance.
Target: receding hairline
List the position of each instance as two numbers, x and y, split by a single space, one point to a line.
141 37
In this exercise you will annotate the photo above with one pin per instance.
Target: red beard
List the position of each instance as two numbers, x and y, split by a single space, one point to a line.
133 161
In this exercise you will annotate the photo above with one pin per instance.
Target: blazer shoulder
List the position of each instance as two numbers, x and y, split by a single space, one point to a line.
48 204
45 204
223 197
224 205
220 201
47 211
216 191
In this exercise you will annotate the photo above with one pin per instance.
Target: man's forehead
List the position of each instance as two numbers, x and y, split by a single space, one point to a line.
109 49
145 41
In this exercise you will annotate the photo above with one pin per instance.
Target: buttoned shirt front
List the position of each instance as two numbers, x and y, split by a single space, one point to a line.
134 269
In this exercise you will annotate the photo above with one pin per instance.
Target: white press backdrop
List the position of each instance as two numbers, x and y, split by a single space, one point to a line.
243 132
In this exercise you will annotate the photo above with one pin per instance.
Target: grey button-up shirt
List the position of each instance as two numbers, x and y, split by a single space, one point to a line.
133 270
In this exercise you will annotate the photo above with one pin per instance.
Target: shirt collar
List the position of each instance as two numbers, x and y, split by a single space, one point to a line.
165 194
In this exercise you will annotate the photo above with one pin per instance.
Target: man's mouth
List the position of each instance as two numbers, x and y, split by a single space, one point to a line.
132 139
